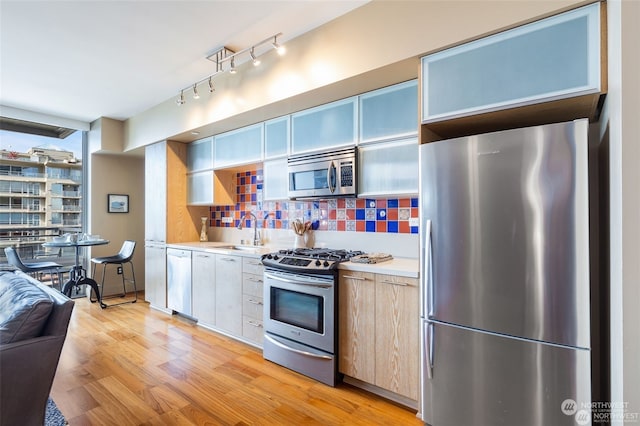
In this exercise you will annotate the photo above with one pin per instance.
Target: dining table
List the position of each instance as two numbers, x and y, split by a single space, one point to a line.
77 274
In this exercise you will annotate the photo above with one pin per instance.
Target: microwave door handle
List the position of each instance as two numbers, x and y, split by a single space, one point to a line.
331 171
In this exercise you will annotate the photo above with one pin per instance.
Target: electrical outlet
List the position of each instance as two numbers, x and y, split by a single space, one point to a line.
413 221
119 270
227 219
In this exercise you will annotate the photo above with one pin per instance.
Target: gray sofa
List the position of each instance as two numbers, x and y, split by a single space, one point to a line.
33 326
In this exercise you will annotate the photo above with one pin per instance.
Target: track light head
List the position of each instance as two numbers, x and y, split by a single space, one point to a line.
255 60
211 89
196 95
232 68
180 100
279 48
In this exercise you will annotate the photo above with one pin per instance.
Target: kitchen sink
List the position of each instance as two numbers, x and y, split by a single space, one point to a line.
240 247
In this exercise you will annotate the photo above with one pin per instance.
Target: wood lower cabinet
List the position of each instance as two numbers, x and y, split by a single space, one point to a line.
379 336
397 335
203 287
357 325
228 294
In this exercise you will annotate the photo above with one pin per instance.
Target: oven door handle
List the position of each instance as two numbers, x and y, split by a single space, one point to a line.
298 351
290 281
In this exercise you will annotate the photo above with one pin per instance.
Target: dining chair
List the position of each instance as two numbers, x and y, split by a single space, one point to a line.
125 255
35 269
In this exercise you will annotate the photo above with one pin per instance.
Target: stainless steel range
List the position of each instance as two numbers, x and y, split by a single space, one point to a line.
301 308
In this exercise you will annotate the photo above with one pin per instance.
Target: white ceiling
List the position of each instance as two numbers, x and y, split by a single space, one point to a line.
85 59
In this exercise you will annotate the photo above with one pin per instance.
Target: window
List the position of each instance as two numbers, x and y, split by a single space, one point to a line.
40 190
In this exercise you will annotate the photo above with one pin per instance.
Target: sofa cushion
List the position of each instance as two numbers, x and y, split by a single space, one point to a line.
24 308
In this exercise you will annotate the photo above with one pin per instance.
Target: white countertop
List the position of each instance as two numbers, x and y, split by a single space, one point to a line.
222 247
403 267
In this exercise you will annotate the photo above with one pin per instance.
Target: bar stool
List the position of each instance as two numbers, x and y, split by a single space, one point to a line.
13 258
125 255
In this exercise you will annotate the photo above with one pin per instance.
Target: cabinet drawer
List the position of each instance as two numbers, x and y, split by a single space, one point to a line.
252 266
395 280
252 307
252 329
252 285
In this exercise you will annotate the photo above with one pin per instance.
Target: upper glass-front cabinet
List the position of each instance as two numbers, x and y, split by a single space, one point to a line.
200 188
390 112
329 125
241 146
200 155
276 137
554 58
388 168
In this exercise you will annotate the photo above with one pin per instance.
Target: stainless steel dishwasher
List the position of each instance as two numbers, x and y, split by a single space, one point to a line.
179 280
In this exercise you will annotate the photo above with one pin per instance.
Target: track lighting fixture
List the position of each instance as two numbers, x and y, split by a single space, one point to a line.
180 100
224 54
255 60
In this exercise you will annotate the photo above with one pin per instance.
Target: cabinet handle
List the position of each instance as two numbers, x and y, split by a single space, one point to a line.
227 259
255 280
204 256
356 278
255 324
255 302
395 283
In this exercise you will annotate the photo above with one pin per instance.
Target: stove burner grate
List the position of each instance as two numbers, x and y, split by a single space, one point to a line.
335 255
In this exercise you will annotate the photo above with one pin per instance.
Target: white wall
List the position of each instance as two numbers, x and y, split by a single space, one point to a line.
620 119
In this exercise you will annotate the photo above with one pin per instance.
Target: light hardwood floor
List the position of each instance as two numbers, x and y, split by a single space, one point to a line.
132 365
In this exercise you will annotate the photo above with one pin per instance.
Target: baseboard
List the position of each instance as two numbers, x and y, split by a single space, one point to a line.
399 399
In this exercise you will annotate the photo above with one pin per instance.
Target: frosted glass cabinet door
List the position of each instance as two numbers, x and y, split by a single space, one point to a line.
391 112
389 168
275 183
276 137
242 146
200 155
200 188
554 58
329 125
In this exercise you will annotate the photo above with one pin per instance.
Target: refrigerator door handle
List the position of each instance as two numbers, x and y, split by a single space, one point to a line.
429 350
428 276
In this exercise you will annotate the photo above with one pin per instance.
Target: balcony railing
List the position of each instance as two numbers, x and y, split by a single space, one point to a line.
37 209
22 174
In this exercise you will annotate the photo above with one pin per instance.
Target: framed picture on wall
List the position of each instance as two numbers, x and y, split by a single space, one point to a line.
117 203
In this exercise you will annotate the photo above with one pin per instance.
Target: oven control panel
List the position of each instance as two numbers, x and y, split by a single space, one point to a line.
299 264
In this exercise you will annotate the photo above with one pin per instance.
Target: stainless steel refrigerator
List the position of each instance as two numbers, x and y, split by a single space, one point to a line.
505 323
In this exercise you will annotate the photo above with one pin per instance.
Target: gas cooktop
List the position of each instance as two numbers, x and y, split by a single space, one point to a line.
315 260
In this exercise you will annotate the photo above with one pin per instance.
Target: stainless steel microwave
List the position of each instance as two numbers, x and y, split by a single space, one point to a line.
323 175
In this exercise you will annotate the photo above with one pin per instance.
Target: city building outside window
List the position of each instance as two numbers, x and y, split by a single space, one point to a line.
41 193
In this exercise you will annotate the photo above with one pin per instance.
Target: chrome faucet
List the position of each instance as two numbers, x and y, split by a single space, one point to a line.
256 236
